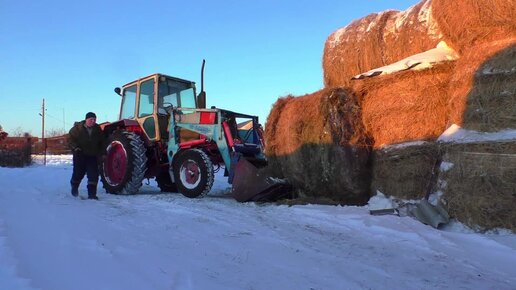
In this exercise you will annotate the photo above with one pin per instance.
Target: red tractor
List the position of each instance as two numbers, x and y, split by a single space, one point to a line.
165 132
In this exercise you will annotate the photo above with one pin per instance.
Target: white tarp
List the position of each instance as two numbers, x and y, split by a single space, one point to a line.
418 61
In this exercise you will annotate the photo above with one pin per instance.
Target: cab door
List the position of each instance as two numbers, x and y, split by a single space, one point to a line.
146 107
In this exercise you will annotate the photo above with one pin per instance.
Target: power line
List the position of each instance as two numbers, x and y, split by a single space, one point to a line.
57 119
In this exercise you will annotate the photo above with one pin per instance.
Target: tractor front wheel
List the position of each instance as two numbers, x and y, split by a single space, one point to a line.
124 167
193 173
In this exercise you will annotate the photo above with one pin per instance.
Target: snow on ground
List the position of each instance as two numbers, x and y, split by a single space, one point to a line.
50 240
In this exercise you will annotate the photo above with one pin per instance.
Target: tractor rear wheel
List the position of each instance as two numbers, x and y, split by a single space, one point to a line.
193 173
165 182
125 164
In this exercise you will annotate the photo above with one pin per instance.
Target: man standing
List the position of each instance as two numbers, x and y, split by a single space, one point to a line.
86 140
3 134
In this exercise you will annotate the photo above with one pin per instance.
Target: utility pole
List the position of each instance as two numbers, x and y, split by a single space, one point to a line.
43 133
63 121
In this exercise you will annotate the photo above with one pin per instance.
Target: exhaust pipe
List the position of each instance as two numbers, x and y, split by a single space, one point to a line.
201 98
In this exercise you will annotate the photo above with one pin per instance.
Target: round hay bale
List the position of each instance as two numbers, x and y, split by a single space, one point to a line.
480 184
406 106
404 170
376 40
483 87
273 141
320 145
466 23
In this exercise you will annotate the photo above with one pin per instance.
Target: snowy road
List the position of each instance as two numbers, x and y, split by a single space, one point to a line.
50 240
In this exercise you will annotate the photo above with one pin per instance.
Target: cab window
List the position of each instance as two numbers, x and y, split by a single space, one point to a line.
146 106
175 93
128 103
187 98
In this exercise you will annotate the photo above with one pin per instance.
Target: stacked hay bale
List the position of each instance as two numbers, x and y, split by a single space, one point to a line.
406 106
419 105
477 91
376 40
405 170
318 142
483 87
481 185
467 23
396 108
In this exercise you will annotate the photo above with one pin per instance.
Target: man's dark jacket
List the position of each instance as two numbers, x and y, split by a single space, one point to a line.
80 138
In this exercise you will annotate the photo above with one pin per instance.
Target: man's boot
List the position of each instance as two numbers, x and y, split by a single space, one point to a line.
92 191
75 189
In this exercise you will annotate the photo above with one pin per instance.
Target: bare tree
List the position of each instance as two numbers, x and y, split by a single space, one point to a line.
19 132
55 132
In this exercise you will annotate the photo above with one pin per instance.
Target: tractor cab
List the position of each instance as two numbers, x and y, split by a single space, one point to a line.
149 99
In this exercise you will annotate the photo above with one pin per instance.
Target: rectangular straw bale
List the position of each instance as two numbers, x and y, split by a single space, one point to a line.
480 186
376 40
404 170
483 87
468 23
406 106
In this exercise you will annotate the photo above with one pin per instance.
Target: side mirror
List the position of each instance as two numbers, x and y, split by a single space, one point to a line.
118 91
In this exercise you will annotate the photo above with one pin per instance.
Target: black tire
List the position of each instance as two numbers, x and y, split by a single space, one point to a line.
193 173
124 167
165 182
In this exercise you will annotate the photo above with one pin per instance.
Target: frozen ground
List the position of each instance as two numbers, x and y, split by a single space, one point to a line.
50 240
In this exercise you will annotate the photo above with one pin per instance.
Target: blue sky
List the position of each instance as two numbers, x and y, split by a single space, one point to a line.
73 53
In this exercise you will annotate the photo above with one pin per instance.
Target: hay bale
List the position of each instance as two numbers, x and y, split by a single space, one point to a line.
480 188
15 158
467 23
406 106
409 32
377 40
483 87
319 144
404 170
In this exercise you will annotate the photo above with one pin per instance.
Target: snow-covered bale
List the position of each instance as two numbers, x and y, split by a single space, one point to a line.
377 40
466 23
405 170
483 87
479 183
406 106
318 142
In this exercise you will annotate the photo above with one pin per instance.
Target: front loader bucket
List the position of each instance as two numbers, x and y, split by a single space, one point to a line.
253 184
